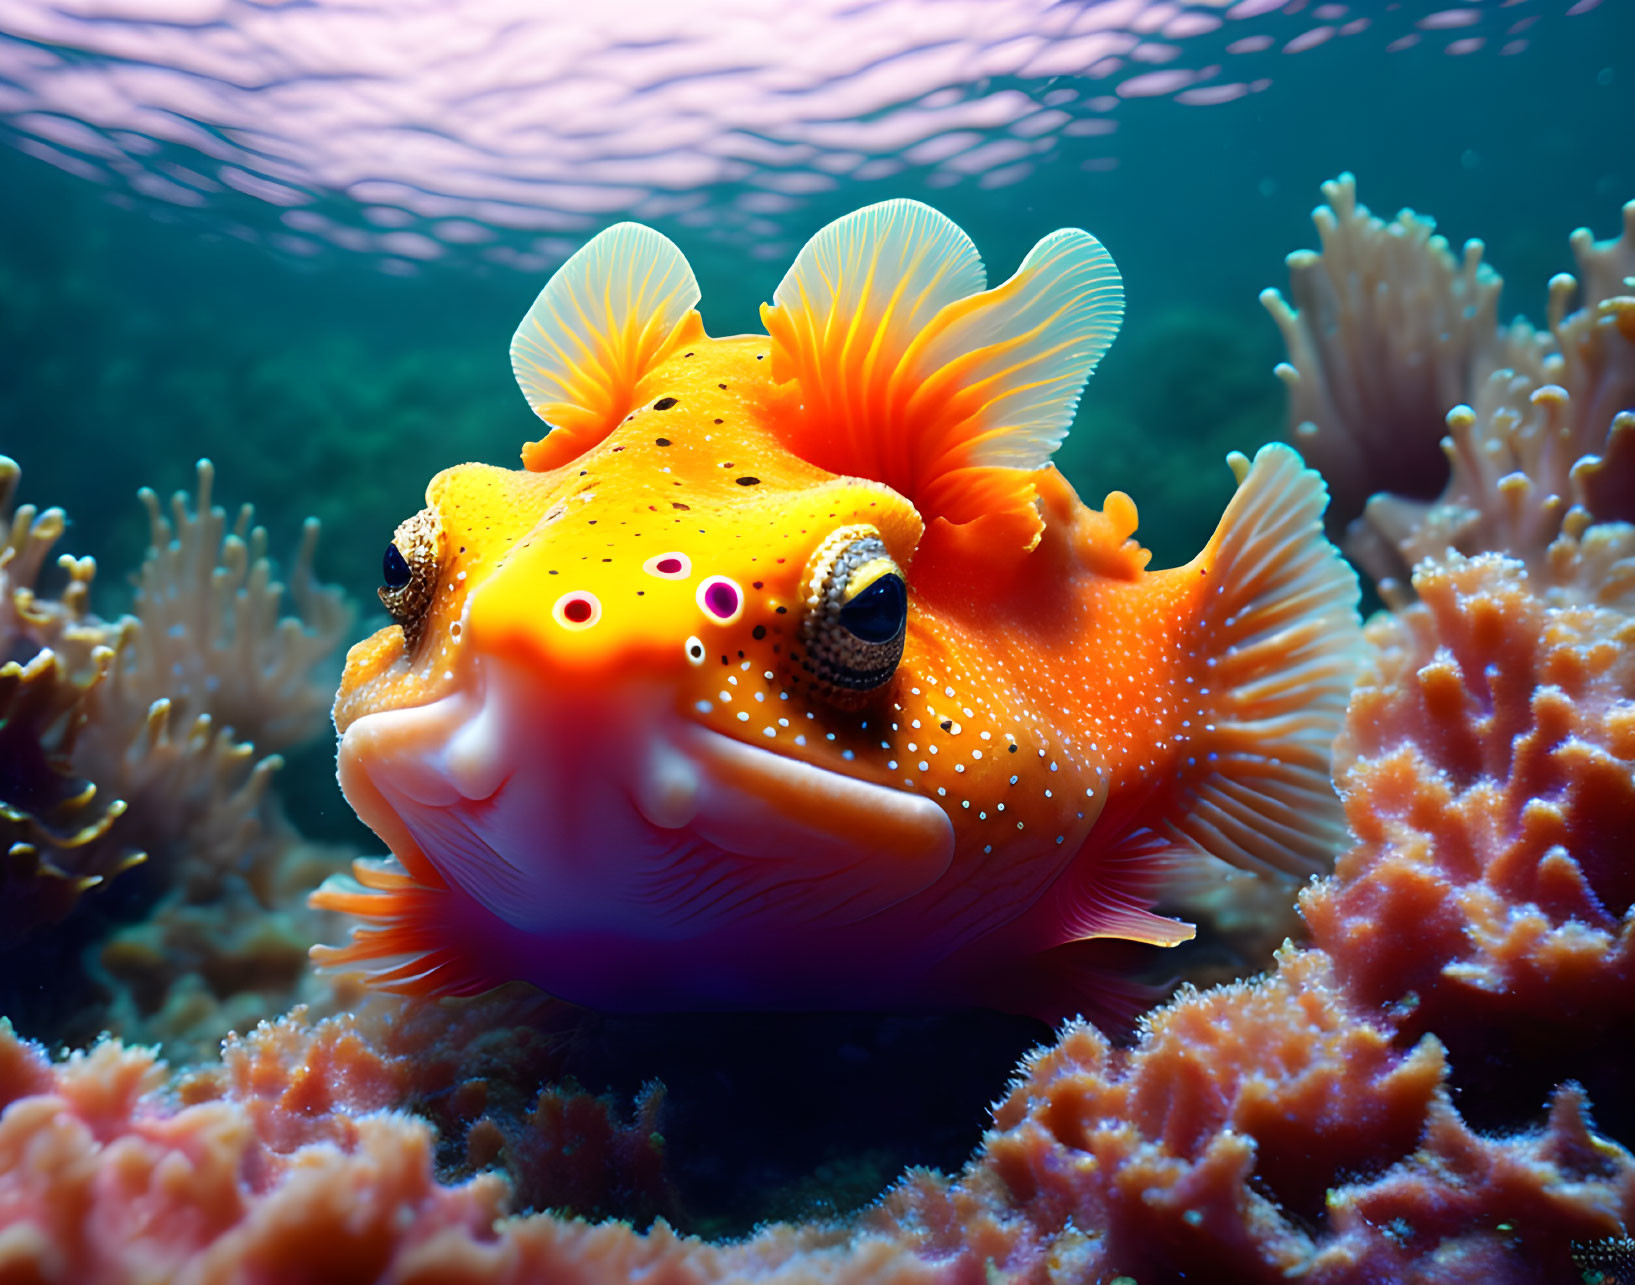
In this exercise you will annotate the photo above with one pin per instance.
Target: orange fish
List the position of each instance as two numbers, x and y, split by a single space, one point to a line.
790 673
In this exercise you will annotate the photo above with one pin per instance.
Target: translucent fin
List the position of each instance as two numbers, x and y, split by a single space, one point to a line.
1282 647
1109 892
609 314
912 375
414 939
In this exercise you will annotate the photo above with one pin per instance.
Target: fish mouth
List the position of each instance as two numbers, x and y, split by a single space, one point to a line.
615 818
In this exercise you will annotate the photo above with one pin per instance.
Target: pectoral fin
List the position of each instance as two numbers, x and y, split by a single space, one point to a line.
610 314
913 375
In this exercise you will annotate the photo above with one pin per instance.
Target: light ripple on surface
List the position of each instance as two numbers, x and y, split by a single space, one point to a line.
417 129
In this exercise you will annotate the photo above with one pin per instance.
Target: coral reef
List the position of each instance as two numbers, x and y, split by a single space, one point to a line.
1427 1091
1488 764
1269 1126
1488 770
136 764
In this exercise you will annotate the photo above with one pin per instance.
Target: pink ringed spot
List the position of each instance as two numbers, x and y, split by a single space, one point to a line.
721 599
669 566
577 610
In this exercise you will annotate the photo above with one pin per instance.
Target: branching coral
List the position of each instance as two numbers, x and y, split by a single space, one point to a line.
1256 1130
1392 337
118 749
1488 763
214 638
1488 769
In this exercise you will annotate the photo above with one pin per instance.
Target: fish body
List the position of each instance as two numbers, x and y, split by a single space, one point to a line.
789 673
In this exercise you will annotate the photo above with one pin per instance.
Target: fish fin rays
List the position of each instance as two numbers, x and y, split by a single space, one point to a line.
413 939
613 311
912 374
1108 893
1280 631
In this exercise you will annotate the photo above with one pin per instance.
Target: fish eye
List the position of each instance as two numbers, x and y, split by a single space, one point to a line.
408 573
878 613
394 569
856 613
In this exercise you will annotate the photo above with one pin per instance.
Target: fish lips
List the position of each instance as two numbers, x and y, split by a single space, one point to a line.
573 813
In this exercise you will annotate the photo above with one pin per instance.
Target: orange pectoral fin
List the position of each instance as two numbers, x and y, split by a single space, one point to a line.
611 313
913 375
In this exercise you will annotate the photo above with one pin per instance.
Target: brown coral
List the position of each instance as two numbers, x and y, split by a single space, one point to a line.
54 826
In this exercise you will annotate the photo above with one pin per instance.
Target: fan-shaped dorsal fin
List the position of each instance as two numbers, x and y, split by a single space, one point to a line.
608 315
913 375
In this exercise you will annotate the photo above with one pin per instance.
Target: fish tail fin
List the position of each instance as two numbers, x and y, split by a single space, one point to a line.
1279 645
414 939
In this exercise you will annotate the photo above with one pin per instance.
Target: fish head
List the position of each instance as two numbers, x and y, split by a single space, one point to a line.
620 697
640 700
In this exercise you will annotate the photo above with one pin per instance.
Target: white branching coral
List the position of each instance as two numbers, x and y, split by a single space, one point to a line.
214 637
1393 339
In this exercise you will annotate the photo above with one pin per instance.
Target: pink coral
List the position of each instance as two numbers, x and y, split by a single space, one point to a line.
1261 1128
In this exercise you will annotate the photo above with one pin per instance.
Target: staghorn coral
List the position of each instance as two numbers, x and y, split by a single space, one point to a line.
1392 338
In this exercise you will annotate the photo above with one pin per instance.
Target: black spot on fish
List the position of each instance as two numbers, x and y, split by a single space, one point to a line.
1013 747
946 724
758 633
661 441
664 403
749 481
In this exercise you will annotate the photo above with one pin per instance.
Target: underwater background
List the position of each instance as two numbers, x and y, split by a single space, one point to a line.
295 239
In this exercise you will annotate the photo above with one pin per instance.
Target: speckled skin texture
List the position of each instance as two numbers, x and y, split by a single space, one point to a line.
1056 707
